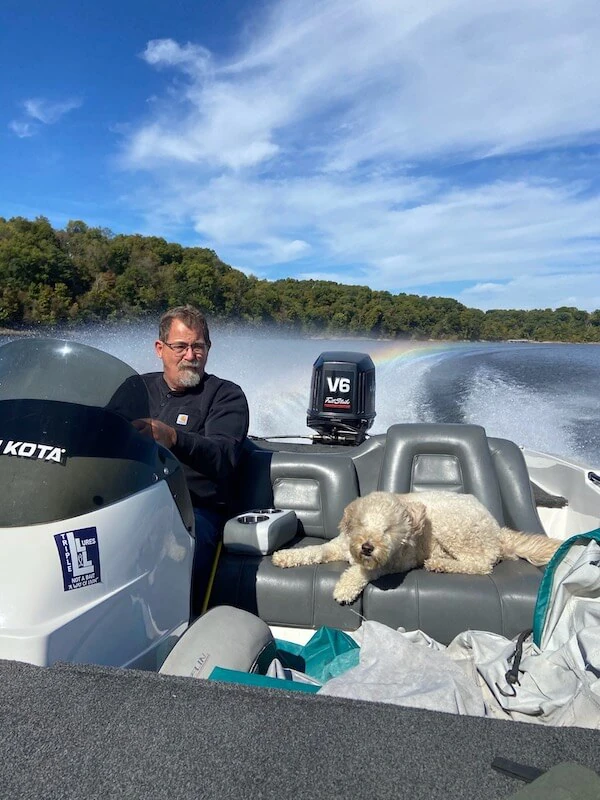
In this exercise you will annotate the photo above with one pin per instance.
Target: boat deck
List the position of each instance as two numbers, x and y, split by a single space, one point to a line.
72 731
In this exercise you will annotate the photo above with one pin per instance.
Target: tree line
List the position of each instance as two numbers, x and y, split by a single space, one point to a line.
87 274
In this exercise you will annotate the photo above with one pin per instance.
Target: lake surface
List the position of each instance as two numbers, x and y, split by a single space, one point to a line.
544 396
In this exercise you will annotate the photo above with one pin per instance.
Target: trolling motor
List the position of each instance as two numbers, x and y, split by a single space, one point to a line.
342 397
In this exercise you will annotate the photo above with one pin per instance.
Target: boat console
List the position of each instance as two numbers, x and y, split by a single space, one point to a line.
96 521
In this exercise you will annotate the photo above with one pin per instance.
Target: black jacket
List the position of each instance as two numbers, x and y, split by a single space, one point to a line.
211 421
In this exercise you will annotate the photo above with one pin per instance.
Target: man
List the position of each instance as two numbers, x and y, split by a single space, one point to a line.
203 420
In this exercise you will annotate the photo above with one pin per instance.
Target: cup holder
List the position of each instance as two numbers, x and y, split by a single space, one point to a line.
260 531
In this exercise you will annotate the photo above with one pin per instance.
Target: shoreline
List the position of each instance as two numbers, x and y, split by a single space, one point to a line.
398 341
14 332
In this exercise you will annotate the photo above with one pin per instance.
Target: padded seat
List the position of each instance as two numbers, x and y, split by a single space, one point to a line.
298 597
445 605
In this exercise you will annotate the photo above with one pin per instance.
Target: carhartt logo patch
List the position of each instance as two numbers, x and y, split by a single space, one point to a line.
182 419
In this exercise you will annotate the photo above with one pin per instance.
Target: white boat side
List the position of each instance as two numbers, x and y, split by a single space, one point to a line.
570 479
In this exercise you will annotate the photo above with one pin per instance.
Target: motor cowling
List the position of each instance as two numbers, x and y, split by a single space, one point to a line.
342 397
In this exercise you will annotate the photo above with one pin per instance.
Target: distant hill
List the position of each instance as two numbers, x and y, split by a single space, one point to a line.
80 274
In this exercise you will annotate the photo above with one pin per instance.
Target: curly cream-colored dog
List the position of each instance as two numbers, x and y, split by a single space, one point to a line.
443 531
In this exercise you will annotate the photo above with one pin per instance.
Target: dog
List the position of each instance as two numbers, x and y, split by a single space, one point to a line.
442 531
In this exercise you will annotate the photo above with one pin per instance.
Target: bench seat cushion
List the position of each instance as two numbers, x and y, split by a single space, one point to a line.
444 605
296 597
414 457
441 605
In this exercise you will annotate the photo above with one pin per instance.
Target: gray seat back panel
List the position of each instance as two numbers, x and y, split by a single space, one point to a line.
455 457
436 471
317 487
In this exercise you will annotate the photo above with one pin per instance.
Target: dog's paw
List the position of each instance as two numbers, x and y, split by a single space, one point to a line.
279 558
344 595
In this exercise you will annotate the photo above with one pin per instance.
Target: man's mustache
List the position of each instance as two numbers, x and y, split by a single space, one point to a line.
188 365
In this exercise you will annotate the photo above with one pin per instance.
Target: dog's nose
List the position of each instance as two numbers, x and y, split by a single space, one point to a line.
367 548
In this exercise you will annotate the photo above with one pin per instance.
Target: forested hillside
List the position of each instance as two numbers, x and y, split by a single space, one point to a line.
80 274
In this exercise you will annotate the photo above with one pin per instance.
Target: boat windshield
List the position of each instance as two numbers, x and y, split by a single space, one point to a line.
69 372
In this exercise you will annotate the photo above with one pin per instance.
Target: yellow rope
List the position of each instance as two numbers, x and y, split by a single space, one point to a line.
211 580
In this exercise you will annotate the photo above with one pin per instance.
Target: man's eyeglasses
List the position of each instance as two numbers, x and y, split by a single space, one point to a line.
181 348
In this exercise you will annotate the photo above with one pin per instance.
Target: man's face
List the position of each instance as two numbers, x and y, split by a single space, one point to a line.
185 369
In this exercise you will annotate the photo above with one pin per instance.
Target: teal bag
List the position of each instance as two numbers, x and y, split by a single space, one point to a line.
251 679
328 653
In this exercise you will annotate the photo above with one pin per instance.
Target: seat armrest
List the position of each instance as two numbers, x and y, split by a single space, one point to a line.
260 531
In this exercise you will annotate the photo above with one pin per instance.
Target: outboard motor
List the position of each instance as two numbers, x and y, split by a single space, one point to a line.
342 397
96 522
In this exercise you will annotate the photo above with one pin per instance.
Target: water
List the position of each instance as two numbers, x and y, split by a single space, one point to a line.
543 396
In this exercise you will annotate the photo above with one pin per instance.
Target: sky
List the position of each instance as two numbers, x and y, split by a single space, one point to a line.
436 147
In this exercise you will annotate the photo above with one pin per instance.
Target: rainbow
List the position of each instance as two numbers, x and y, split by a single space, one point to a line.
402 349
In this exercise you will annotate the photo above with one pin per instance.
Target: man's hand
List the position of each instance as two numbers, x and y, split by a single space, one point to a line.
161 432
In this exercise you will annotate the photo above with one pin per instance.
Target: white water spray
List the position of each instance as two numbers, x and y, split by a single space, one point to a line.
275 372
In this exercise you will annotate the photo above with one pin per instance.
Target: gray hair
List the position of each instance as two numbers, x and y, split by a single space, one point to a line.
191 317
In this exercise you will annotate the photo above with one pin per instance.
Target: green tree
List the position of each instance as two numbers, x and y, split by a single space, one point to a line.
83 272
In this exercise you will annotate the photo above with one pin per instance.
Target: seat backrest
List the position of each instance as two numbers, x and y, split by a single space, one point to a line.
520 512
317 486
447 456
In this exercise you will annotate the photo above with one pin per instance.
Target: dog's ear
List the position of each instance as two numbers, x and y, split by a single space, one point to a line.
417 514
346 520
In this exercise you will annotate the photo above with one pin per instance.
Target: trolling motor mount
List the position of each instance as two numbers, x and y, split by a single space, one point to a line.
342 397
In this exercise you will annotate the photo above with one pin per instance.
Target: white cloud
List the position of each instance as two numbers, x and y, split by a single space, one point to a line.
400 79
168 53
579 290
322 141
21 129
485 288
40 112
48 112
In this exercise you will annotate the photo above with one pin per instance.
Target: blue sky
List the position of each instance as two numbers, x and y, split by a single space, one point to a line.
447 147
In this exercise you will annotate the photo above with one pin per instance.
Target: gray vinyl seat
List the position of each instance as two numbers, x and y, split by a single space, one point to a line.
411 457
